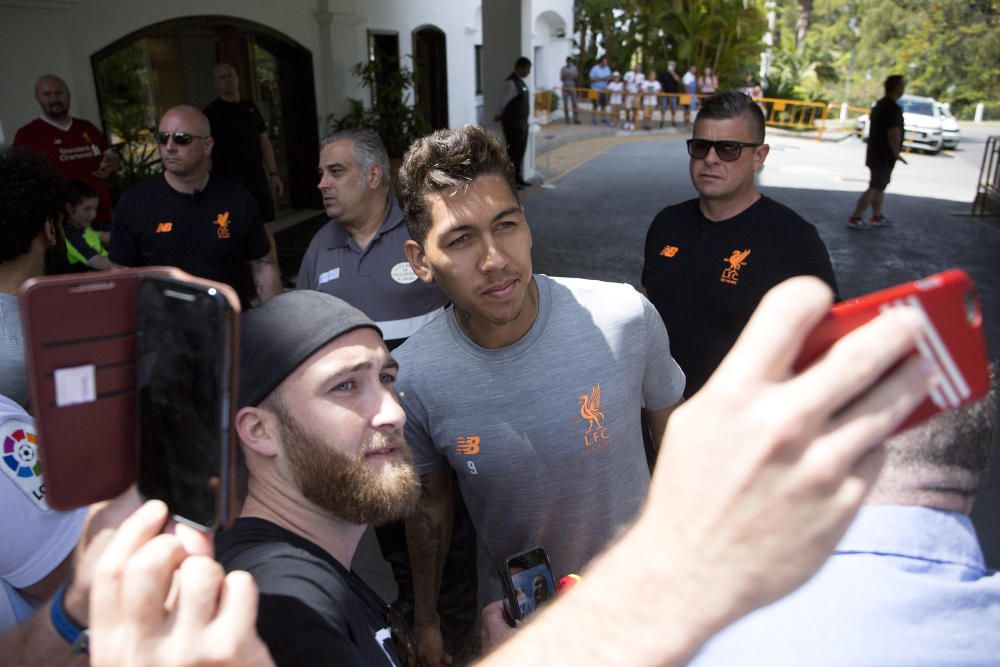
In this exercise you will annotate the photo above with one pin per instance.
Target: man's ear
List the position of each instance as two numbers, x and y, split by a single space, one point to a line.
759 155
376 178
258 429
49 229
418 260
209 144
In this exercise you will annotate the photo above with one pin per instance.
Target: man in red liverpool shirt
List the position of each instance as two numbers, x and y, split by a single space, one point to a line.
75 147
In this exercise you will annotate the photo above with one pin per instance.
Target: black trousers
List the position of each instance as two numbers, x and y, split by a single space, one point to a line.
516 135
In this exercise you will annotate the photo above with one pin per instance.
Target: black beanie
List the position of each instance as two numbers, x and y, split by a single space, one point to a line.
284 331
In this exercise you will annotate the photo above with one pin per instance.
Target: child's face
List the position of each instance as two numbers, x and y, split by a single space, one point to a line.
84 212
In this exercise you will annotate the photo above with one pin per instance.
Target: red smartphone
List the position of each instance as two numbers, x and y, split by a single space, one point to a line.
952 341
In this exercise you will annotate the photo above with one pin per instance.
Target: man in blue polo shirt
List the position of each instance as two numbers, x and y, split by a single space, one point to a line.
358 255
907 585
600 75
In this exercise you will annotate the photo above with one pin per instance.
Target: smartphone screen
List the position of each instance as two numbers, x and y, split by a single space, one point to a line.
183 364
528 582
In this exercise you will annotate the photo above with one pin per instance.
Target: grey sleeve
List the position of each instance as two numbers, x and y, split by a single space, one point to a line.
13 371
307 274
417 431
663 380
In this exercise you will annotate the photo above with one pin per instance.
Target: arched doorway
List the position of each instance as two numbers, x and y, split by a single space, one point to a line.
165 64
430 63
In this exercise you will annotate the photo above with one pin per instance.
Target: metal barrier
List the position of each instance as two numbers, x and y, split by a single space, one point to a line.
790 114
589 102
987 201
795 115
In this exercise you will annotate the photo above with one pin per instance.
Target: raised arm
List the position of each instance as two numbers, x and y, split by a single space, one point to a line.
760 474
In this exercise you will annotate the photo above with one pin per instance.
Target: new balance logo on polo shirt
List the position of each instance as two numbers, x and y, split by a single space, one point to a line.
164 227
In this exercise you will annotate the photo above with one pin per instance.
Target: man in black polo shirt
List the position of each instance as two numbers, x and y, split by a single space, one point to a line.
885 141
709 261
184 217
513 112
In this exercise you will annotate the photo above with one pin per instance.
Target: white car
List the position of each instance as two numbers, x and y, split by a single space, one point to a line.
922 124
949 126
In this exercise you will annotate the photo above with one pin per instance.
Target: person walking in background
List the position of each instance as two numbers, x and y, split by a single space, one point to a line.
513 112
885 141
568 75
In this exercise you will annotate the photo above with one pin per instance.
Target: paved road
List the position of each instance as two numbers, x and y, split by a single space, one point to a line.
590 220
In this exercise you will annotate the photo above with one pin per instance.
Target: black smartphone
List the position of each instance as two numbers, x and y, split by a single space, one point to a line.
527 581
186 360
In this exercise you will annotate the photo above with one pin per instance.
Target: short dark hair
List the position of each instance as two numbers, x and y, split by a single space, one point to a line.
956 445
77 191
31 193
892 82
447 160
722 106
521 62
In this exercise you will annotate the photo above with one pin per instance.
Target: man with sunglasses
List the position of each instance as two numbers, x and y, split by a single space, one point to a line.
322 434
185 217
710 260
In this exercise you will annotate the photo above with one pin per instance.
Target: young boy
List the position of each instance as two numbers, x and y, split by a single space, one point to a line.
83 244
615 87
650 92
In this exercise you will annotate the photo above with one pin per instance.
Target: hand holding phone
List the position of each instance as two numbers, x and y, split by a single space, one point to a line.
528 583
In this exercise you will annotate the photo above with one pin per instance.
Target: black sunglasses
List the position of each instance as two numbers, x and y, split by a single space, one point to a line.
728 151
180 138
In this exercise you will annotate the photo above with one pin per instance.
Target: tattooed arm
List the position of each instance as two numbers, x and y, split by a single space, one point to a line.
428 533
265 277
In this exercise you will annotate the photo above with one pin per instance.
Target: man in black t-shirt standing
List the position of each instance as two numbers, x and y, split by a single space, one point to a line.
194 220
670 83
885 141
709 261
243 152
322 433
513 112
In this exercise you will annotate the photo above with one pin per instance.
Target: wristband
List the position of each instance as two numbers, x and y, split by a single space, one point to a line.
67 628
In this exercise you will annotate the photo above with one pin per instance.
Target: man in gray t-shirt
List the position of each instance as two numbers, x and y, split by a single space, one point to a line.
529 387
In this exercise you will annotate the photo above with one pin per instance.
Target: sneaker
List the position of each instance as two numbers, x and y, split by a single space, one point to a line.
880 221
857 223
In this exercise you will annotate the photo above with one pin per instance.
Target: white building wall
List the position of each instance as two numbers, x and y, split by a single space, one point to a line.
36 39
